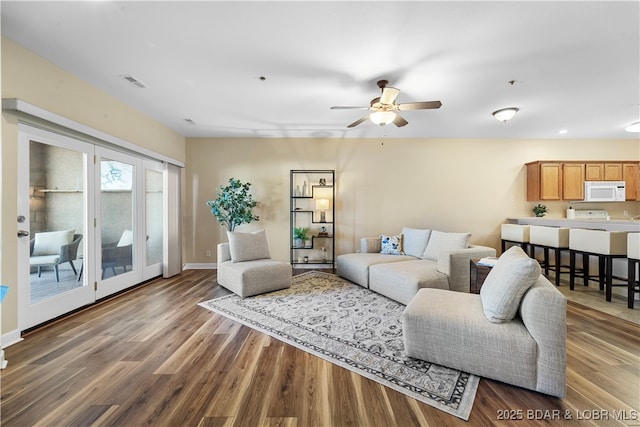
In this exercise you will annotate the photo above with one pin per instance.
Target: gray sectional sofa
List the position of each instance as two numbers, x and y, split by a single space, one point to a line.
418 258
514 331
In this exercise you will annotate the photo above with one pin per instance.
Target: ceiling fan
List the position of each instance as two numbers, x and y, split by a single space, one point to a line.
384 109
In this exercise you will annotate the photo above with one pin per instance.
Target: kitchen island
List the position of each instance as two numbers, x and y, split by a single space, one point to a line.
592 224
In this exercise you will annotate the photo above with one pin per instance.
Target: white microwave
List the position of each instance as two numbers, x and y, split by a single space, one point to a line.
604 191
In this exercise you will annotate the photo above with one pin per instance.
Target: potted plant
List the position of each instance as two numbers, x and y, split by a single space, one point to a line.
539 210
233 204
300 236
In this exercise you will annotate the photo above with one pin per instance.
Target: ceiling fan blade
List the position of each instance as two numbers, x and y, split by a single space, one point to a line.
399 121
349 108
389 95
357 122
419 105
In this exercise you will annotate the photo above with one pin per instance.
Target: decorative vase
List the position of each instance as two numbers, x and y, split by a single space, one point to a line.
304 189
298 243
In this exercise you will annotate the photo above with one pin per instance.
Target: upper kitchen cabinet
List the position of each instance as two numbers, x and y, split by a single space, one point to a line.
564 180
544 181
631 178
605 171
573 181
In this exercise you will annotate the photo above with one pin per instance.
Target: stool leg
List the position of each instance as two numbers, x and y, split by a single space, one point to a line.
572 269
585 269
609 277
545 252
556 252
631 278
602 272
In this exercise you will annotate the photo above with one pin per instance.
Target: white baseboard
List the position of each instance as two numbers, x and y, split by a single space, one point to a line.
10 338
200 266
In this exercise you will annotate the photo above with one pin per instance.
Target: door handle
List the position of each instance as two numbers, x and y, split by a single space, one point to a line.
23 233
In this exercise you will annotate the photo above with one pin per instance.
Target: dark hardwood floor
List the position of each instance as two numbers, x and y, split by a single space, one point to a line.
152 357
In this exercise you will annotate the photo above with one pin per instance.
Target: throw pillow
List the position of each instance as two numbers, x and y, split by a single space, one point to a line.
126 239
445 242
248 246
49 242
506 283
391 245
414 241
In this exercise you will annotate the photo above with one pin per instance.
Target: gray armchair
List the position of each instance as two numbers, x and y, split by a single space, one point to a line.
52 248
118 254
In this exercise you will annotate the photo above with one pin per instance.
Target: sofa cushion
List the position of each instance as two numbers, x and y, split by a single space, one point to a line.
440 242
391 245
414 241
49 242
506 283
248 246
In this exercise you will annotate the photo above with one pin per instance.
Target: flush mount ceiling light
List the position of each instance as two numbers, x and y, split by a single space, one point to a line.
633 127
505 114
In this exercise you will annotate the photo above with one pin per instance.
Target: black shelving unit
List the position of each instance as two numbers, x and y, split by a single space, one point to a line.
312 204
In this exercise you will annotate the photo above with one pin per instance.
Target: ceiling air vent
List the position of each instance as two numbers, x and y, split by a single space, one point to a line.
134 81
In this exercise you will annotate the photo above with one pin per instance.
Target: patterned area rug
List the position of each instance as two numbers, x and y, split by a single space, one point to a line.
355 328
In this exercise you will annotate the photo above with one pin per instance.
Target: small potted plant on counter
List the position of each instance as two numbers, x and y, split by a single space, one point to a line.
539 210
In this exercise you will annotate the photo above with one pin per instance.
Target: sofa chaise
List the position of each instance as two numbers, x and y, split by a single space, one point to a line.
514 331
399 266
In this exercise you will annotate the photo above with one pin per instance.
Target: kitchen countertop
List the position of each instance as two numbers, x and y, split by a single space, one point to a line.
594 224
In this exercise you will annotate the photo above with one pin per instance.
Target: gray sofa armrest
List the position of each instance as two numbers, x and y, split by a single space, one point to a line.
455 264
223 253
370 244
543 311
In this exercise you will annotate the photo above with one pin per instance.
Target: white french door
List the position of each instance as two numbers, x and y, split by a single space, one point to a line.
54 211
91 221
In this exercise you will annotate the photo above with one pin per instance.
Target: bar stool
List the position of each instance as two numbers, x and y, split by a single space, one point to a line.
633 261
606 245
555 238
515 234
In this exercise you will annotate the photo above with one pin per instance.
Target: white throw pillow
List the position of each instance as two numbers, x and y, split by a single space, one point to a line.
414 241
445 242
49 242
506 283
248 246
391 245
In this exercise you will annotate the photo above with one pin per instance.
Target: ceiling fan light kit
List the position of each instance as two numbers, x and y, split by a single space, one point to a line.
382 117
633 127
505 114
384 108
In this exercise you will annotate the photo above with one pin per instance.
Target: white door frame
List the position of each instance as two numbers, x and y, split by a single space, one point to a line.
29 314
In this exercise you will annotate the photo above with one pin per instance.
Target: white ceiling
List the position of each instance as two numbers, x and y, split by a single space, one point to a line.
575 64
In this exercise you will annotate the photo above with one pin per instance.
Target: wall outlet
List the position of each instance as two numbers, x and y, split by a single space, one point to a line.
625 212
208 252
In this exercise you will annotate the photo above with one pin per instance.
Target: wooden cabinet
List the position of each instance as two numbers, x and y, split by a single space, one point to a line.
631 178
603 171
573 181
613 171
544 181
564 180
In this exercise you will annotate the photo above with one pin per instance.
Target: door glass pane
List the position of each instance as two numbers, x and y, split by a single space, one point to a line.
153 190
116 201
56 205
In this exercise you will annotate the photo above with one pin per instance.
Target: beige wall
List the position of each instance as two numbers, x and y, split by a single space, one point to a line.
34 80
452 185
